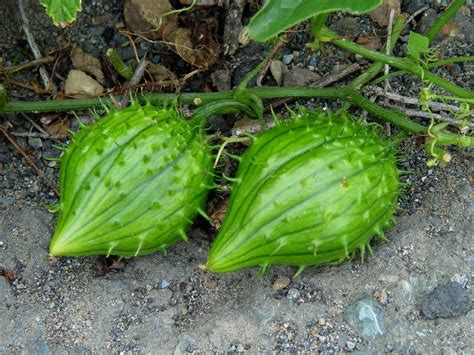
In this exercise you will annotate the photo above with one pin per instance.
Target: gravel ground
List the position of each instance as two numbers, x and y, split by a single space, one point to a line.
413 296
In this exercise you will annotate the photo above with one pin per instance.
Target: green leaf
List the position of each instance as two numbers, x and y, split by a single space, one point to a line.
62 12
278 15
417 45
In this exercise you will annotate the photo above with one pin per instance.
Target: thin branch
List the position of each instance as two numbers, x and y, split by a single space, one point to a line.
25 24
30 64
424 114
35 135
34 124
415 14
438 106
388 48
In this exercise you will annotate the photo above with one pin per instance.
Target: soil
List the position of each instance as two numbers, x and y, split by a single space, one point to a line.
413 296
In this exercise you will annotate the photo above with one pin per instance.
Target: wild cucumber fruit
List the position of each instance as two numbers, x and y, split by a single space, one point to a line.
308 192
131 183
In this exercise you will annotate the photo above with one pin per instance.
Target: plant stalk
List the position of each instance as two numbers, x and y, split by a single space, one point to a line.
400 63
443 19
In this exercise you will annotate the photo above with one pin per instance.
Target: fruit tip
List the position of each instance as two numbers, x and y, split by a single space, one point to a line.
203 267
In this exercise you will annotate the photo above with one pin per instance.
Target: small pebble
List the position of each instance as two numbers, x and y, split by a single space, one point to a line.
35 143
281 283
350 345
288 58
164 284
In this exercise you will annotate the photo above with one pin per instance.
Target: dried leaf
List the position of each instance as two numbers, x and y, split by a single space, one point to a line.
59 128
184 45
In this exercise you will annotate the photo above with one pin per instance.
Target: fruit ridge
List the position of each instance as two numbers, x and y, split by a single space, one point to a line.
131 183
308 192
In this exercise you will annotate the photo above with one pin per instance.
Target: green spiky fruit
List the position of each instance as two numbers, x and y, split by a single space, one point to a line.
308 192
131 183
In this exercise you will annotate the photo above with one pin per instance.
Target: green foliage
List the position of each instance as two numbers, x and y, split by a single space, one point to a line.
62 12
131 183
417 46
308 192
279 15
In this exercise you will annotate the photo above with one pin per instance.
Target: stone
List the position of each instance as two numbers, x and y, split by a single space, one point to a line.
461 279
299 77
145 17
347 26
449 300
35 142
288 58
366 317
280 283
428 18
79 83
381 15
277 68
221 79
164 284
87 63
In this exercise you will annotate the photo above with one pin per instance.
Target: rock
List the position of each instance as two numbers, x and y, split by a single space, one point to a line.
366 317
288 58
280 283
277 69
449 300
428 18
164 284
145 17
35 142
221 79
347 26
381 15
299 77
461 27
461 279
79 83
87 63
373 43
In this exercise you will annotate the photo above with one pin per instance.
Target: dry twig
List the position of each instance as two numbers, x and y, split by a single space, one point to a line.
25 24
31 64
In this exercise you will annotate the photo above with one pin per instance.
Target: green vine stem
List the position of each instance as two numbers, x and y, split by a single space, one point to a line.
346 93
443 19
438 63
400 63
